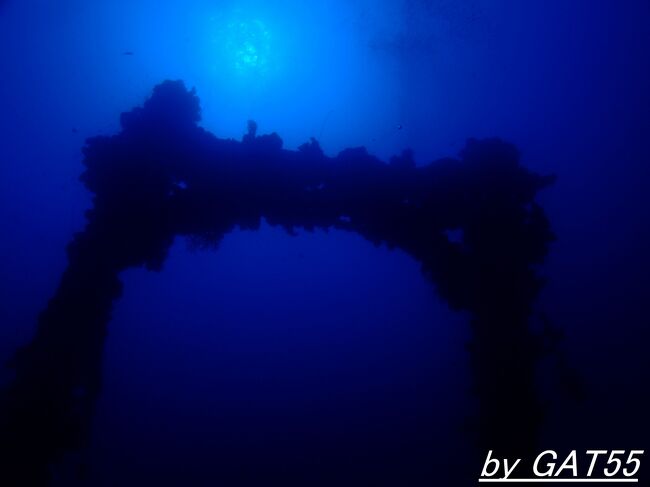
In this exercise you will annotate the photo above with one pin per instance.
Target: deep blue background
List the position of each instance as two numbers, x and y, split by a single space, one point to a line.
346 342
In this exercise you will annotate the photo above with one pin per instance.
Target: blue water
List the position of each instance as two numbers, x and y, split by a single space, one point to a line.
281 351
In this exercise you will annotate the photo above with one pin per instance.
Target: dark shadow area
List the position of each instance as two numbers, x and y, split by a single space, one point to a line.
471 222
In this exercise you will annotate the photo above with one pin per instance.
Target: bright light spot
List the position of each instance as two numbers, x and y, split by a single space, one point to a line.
248 46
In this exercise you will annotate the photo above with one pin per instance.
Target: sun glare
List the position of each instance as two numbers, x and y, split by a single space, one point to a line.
248 44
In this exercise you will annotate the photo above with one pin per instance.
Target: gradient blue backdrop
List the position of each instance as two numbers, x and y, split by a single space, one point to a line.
342 334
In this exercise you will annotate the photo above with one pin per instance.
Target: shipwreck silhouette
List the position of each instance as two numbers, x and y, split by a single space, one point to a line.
163 176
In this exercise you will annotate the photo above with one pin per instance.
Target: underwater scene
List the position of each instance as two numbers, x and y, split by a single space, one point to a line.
324 243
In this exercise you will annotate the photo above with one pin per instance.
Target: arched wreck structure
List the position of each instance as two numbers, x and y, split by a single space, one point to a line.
163 177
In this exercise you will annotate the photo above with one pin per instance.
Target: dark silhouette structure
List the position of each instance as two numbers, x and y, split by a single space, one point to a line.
163 176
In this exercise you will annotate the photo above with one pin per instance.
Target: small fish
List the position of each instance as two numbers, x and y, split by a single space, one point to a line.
128 53
399 126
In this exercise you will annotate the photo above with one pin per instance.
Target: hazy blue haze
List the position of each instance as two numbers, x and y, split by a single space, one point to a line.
340 330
